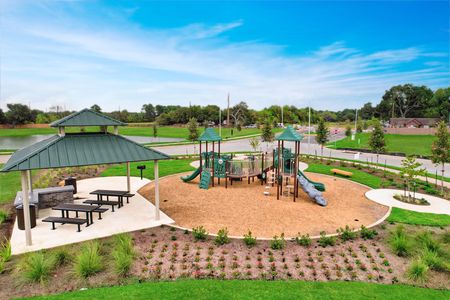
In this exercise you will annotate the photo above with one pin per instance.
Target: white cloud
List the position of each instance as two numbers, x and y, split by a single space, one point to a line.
72 64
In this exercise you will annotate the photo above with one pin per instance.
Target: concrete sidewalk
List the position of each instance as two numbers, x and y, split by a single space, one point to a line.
386 197
138 214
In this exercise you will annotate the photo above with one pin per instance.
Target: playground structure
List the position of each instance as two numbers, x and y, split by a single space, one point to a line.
263 166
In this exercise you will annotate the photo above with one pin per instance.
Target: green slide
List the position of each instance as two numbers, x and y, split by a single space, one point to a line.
192 176
319 186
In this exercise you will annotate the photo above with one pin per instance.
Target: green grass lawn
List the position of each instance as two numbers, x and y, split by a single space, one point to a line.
9 185
163 131
255 289
358 176
166 167
417 218
408 144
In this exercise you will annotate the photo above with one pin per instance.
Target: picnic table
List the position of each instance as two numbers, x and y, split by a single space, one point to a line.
110 193
77 208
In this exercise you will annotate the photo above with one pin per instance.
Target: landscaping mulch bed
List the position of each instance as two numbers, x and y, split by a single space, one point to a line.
165 254
244 207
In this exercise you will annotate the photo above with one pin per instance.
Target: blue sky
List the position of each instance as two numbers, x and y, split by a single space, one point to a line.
330 55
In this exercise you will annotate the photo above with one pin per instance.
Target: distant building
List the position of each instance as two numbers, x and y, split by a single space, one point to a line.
413 122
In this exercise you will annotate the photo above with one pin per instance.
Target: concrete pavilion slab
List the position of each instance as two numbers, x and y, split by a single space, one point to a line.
136 215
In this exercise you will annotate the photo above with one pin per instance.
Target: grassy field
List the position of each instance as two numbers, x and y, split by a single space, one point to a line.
416 218
235 289
166 167
358 176
9 185
163 131
408 144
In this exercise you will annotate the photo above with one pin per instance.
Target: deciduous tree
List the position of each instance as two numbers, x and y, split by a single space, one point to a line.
322 134
377 142
441 149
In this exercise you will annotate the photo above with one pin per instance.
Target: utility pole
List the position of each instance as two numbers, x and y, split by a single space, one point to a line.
220 122
356 118
282 117
228 111
309 126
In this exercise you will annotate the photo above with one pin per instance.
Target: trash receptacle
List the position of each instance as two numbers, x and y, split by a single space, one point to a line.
21 218
73 182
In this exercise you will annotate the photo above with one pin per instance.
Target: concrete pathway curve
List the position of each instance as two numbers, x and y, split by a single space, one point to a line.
386 197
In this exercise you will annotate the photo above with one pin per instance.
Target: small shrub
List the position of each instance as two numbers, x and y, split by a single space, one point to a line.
61 257
325 241
368 234
122 262
425 239
278 243
446 237
303 240
400 243
199 233
249 239
89 261
346 233
3 216
36 267
418 271
222 237
5 251
433 260
124 243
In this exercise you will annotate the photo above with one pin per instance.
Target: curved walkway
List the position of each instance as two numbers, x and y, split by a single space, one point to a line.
386 197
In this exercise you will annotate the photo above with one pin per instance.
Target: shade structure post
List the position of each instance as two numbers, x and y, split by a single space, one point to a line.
156 191
116 130
26 207
295 169
128 176
30 182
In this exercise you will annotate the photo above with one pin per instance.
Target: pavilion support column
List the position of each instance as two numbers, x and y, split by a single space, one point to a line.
128 177
26 207
156 191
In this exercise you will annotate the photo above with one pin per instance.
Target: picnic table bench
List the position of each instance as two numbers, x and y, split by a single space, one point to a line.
341 172
102 202
77 208
112 193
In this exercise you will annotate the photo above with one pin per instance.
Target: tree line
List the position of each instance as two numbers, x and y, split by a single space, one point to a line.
403 101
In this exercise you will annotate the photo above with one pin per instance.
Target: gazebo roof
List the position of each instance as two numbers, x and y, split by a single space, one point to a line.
80 149
289 134
86 117
209 135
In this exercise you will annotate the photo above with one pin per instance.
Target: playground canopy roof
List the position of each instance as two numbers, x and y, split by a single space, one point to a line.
209 135
289 134
86 117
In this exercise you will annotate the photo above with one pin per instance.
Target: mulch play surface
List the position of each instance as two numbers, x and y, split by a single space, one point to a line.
243 207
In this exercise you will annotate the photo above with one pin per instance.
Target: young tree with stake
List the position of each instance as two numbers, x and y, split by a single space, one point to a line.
377 142
322 134
441 149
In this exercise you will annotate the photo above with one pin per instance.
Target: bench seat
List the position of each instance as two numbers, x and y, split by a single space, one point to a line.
100 210
342 172
128 196
61 220
100 202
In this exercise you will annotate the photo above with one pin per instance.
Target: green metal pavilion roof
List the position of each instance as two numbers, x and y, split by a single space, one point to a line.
289 134
209 135
80 149
87 117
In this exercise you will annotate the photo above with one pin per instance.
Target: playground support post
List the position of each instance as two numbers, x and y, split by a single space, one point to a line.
213 164
278 172
218 157
282 167
207 156
262 169
200 149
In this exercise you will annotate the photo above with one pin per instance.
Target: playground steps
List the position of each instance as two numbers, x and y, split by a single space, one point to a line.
205 179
